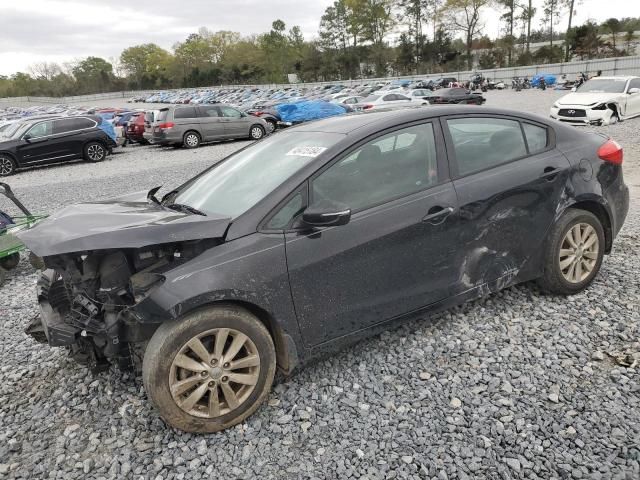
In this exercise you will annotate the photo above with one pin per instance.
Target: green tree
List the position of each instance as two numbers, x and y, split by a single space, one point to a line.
613 27
146 64
509 17
551 14
93 74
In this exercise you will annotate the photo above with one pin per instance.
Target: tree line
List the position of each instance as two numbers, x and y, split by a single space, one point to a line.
356 39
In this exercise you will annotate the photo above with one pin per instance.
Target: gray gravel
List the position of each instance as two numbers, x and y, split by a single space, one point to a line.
517 385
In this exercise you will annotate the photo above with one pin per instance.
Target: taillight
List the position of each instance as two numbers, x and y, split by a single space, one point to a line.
166 126
367 107
611 152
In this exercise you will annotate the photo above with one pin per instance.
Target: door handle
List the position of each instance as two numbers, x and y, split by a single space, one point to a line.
437 215
550 173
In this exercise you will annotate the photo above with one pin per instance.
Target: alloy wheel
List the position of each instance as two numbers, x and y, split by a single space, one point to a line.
214 373
95 152
6 166
579 253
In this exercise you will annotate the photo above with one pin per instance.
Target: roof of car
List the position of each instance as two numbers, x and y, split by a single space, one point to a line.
349 123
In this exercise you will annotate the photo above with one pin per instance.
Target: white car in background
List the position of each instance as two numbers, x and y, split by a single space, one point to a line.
600 101
351 100
420 95
382 100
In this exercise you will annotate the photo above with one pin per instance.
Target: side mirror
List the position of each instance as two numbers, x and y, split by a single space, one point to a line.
27 138
574 89
633 91
326 214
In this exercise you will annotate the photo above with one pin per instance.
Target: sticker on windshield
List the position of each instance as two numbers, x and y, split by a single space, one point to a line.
306 151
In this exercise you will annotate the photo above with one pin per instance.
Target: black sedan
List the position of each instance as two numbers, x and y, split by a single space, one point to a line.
54 140
309 240
460 96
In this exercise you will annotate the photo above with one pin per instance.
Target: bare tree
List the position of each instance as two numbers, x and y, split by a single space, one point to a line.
45 70
464 16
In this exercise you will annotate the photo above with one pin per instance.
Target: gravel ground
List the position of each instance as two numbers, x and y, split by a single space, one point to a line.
517 385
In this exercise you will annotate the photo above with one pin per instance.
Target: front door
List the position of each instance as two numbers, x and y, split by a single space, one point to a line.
35 144
509 180
397 254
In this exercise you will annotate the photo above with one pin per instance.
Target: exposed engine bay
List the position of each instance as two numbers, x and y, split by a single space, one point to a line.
86 300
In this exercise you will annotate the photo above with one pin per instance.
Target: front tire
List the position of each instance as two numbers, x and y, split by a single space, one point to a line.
7 166
94 152
574 253
209 370
256 132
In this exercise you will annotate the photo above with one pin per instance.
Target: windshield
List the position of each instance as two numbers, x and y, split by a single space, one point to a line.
240 182
603 85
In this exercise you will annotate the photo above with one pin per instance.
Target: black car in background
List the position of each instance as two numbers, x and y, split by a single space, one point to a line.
455 96
321 235
54 140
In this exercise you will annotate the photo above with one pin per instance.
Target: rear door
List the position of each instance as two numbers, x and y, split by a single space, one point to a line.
235 125
509 179
185 119
69 136
211 122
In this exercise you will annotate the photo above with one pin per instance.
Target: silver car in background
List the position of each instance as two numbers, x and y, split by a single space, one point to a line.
191 125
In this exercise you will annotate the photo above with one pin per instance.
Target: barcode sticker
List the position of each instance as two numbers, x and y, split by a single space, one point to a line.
306 151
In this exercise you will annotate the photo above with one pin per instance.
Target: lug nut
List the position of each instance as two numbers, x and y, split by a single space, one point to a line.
227 365
212 384
204 374
224 379
214 362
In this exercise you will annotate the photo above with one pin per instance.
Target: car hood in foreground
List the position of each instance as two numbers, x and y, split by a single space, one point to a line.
130 221
588 98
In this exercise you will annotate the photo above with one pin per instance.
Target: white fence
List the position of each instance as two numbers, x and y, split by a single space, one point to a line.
608 66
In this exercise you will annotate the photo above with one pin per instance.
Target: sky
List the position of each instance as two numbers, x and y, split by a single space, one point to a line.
63 30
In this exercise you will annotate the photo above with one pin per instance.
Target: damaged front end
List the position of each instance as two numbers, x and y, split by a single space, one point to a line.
86 300
88 293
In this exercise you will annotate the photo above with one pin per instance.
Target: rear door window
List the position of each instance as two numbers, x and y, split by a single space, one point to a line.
185 112
482 142
230 112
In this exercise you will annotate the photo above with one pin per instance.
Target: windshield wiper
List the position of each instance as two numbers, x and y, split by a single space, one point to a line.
185 208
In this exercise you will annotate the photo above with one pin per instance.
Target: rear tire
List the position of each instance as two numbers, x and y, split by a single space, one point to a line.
94 152
573 254
7 165
191 140
193 394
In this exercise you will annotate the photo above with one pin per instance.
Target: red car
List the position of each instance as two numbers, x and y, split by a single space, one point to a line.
135 128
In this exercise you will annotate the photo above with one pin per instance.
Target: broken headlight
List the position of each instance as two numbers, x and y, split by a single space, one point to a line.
143 283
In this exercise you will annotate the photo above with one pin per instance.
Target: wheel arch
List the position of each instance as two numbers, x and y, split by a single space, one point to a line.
600 211
286 350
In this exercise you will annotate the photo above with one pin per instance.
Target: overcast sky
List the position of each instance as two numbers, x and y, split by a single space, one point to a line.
62 30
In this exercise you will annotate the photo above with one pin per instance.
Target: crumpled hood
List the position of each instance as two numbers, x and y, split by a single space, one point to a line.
577 98
129 221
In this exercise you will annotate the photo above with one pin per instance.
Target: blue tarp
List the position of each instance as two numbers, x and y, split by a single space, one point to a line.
308 110
548 78
107 128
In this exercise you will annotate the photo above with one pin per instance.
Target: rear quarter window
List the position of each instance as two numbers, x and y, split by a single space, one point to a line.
186 112
537 137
